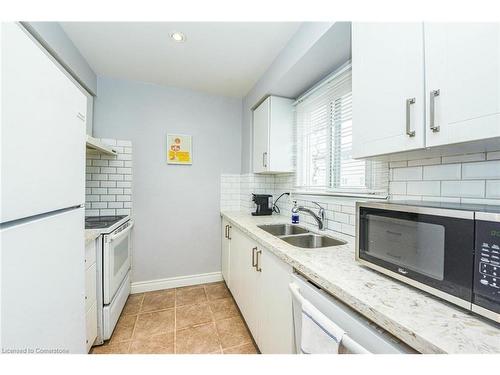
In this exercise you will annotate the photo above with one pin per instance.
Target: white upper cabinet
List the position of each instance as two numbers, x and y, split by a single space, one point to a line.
387 87
273 136
424 85
462 80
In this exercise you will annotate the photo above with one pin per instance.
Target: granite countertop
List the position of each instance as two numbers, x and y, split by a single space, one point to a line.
91 235
424 322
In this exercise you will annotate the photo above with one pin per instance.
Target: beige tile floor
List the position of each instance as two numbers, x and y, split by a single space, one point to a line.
201 319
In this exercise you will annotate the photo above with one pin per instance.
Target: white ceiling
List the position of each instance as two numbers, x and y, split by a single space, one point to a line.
225 58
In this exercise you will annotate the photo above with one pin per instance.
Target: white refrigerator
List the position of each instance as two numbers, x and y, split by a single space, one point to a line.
42 184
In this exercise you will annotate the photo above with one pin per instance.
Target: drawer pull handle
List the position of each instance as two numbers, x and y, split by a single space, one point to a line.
257 265
432 116
409 132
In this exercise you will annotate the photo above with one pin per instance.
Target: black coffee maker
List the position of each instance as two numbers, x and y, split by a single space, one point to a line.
264 204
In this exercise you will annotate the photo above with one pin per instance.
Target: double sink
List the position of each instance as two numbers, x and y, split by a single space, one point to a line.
300 237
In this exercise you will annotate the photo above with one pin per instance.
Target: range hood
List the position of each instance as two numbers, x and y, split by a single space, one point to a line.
96 144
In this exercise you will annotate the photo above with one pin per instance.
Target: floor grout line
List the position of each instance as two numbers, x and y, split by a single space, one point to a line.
135 323
133 329
239 345
213 322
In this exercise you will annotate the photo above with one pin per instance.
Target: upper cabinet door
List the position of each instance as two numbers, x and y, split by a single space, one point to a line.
43 131
388 88
273 136
261 123
462 73
279 158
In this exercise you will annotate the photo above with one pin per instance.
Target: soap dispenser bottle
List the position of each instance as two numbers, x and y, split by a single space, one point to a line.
295 213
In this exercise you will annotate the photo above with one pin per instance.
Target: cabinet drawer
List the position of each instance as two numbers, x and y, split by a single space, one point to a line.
90 254
91 325
90 286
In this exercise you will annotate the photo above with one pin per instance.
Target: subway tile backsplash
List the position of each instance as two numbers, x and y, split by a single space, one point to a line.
230 192
443 172
407 173
462 189
236 195
109 180
468 178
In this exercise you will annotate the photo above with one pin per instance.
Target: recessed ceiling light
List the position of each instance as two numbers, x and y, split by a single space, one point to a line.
178 36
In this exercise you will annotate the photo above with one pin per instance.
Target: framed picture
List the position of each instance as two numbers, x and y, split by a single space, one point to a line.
179 149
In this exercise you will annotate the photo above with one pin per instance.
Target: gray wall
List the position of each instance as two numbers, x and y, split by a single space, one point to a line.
176 207
54 39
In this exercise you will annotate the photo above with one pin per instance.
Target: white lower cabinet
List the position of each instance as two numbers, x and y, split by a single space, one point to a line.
226 250
248 284
91 322
91 292
276 330
259 284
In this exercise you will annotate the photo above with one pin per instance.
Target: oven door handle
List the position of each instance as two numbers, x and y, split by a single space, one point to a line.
122 233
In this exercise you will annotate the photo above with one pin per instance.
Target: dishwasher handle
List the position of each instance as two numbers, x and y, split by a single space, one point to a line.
348 343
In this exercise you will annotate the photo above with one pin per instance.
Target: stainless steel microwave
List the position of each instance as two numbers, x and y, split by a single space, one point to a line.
449 250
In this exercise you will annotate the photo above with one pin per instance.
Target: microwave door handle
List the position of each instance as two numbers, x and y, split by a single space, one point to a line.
122 233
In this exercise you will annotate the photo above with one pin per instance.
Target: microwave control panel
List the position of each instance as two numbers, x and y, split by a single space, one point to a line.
487 265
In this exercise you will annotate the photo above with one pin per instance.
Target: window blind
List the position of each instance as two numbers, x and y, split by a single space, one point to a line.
324 143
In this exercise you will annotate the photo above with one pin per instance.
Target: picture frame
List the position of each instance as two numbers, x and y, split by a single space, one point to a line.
179 149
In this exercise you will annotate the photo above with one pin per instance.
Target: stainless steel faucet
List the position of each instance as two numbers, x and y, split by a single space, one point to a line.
320 217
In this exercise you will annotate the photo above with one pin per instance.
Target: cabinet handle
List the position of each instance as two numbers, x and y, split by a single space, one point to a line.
264 159
257 266
254 264
432 114
409 132
225 231
229 232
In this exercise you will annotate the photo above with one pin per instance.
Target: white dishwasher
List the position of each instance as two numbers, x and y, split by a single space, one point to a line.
357 327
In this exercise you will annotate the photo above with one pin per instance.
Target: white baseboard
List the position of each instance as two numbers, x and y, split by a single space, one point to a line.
175 282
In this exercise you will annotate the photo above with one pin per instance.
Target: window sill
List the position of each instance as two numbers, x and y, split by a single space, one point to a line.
341 194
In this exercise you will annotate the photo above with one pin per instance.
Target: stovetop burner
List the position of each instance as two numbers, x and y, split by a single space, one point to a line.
98 222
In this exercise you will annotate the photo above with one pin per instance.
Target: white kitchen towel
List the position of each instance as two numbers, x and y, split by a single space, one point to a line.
319 335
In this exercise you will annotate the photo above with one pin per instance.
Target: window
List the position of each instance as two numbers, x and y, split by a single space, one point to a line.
324 142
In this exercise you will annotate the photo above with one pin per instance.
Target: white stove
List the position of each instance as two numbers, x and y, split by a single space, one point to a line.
101 222
113 270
